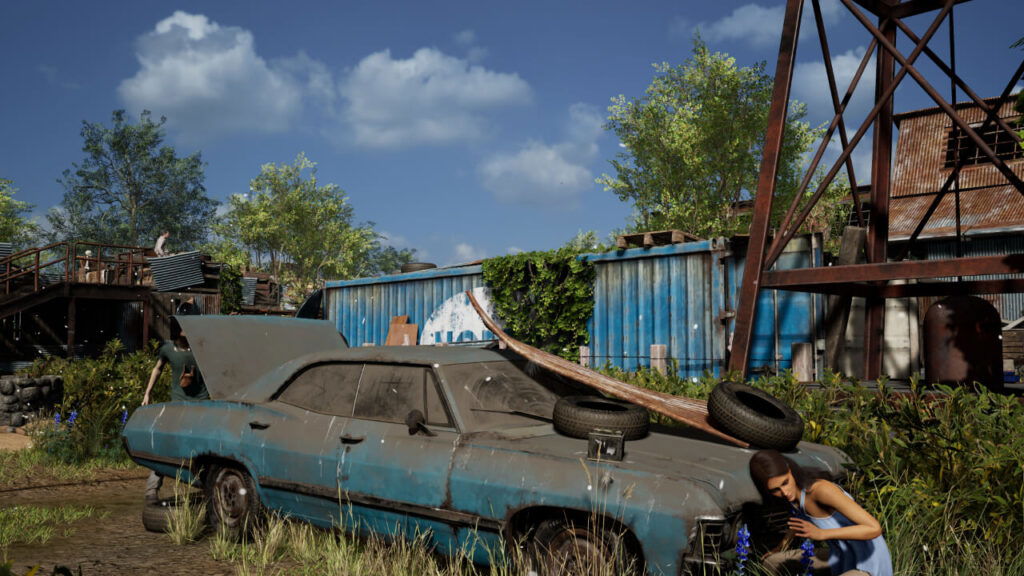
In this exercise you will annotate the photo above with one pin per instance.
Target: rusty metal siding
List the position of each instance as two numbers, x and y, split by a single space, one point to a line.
1010 306
987 200
362 309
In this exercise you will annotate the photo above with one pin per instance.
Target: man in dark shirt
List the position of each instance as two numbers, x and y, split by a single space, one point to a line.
186 385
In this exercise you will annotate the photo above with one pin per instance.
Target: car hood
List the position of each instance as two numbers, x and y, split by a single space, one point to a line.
233 352
673 454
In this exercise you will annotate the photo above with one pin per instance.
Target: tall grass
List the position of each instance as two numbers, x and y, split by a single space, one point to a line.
941 468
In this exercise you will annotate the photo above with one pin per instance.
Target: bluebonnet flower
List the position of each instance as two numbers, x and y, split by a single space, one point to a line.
124 417
56 418
72 417
807 556
742 549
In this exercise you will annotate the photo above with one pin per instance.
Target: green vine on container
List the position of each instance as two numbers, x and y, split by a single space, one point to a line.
544 298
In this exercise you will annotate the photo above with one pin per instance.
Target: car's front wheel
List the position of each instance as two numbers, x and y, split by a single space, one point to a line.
579 547
234 505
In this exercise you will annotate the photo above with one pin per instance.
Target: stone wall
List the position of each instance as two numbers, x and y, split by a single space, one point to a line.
21 397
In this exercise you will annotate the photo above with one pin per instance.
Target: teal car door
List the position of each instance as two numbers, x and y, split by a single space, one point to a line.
394 472
295 441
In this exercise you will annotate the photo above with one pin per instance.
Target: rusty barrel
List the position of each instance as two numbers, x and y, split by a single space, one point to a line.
963 342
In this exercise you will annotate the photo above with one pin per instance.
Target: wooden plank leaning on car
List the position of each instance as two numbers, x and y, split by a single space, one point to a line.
689 411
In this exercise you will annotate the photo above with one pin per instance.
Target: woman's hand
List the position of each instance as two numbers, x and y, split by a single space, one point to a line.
805 529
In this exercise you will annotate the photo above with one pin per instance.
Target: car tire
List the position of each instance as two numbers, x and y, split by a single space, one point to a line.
565 546
234 506
578 416
755 416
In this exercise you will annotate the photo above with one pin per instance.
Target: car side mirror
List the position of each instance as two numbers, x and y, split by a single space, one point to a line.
417 422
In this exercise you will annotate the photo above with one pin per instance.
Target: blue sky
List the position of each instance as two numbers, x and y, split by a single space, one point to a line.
462 129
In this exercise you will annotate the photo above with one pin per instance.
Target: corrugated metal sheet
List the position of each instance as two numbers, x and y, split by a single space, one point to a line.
249 290
6 249
795 314
176 271
678 295
1010 306
669 295
362 309
987 200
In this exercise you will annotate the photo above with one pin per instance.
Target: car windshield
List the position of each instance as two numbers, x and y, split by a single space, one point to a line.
507 394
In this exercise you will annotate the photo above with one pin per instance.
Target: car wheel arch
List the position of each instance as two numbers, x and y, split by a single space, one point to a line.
202 465
520 523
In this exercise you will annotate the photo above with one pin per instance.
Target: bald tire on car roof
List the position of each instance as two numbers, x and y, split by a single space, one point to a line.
568 546
234 506
578 416
755 416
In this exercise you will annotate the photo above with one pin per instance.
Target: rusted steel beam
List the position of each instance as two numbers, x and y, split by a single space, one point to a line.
880 8
907 65
689 411
915 7
755 265
837 121
963 287
787 234
877 249
920 269
839 107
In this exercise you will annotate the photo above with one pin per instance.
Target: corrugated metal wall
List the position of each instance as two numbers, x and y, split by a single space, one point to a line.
1010 306
670 295
362 309
679 296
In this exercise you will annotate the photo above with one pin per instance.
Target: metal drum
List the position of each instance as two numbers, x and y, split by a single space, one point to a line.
963 342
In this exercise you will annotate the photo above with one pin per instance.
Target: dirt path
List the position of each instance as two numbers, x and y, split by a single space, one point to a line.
114 545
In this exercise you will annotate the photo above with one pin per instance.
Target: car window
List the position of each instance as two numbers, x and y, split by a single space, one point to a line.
390 392
325 388
507 393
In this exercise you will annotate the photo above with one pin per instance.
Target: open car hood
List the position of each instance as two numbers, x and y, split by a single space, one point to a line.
233 352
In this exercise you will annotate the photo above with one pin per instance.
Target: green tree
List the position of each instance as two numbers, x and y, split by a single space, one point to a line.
14 226
301 231
130 188
692 145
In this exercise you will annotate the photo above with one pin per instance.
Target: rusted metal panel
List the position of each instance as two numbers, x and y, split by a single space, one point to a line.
987 200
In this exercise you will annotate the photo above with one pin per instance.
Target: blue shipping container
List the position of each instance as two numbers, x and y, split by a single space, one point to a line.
681 296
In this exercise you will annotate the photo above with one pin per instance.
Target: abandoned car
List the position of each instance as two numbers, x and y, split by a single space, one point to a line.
455 443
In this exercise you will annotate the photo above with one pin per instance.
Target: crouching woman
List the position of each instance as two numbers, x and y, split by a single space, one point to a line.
822 511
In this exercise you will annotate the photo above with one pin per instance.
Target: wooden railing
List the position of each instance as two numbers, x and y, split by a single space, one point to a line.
75 262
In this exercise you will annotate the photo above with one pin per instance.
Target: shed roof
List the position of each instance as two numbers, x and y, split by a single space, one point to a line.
987 201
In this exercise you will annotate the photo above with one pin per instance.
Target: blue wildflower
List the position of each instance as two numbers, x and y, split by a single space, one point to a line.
56 418
72 417
742 549
124 417
807 556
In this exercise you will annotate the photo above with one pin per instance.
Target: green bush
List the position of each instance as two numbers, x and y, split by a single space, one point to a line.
544 298
99 394
942 468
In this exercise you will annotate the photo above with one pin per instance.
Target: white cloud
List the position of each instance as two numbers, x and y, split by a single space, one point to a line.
548 174
810 85
208 80
430 98
467 253
761 26
514 250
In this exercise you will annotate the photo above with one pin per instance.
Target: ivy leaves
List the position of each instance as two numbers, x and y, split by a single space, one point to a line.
544 298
